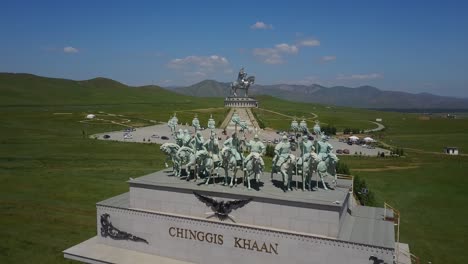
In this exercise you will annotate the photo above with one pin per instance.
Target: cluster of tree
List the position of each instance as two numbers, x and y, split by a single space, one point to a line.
260 122
348 131
362 192
380 154
342 168
398 152
328 130
270 151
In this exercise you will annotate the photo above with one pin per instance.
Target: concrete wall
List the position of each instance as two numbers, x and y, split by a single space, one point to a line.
290 247
281 216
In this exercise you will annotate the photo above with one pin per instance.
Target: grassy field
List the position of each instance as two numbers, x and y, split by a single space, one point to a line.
51 176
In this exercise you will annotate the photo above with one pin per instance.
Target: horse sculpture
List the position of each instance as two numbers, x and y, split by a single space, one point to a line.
309 166
253 167
243 84
187 159
286 169
171 149
205 165
229 162
327 167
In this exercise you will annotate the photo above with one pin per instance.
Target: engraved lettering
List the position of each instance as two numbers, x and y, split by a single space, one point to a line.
170 231
274 248
236 242
180 232
209 237
193 234
255 246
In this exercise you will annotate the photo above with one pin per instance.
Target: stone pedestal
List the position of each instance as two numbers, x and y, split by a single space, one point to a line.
161 220
232 101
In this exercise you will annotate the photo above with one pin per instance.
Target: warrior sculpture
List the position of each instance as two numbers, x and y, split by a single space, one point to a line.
211 123
308 161
232 158
212 146
284 162
253 163
317 128
327 159
196 123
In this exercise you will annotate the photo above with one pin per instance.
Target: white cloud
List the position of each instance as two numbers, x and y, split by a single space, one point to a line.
369 76
283 47
275 55
261 25
328 58
309 43
70 49
202 62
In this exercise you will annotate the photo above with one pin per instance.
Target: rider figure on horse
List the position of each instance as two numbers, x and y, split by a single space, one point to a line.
256 146
186 138
234 145
323 147
306 147
212 146
282 151
241 78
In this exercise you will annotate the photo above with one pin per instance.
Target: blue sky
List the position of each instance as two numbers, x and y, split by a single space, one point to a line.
414 46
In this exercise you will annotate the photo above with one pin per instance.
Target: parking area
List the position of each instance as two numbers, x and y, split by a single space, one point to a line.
161 134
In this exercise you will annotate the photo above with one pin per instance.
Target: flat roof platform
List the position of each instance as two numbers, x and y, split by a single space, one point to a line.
269 190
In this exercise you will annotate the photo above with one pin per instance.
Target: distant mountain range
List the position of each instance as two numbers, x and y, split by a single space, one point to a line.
362 97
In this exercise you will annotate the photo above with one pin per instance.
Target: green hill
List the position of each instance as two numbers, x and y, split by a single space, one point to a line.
362 97
27 89
207 88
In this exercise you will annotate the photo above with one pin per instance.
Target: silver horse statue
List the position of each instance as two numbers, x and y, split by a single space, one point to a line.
171 149
229 163
253 167
327 167
308 168
286 167
243 83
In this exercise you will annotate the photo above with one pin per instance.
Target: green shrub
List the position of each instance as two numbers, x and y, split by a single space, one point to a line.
270 151
359 188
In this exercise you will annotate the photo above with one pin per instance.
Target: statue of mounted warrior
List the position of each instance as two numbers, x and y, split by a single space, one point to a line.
243 83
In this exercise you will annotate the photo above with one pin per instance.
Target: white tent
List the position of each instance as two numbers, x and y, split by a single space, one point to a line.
353 138
90 116
368 139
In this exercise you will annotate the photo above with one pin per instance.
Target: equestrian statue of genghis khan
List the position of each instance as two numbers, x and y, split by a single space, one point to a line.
243 83
253 163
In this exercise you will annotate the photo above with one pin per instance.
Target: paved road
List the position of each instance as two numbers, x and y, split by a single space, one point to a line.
378 128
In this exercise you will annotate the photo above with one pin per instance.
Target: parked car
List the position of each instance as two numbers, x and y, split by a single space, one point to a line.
155 136
106 136
164 138
345 151
350 143
339 151
128 136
